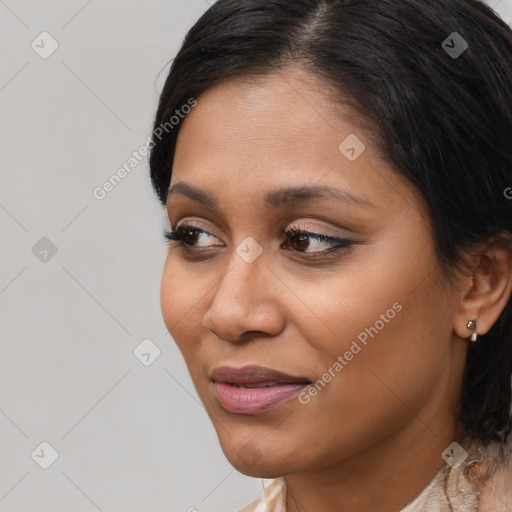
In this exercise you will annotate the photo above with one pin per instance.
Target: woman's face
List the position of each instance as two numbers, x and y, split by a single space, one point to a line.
364 317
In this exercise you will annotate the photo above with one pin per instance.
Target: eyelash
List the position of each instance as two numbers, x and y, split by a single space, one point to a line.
181 232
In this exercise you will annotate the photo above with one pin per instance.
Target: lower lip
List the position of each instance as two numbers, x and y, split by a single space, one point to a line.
254 400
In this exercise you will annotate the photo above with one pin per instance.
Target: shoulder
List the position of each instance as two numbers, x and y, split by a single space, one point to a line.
496 492
272 499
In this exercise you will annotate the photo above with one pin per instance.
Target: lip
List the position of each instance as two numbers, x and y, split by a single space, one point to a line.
236 391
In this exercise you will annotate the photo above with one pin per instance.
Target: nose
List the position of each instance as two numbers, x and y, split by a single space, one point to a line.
245 303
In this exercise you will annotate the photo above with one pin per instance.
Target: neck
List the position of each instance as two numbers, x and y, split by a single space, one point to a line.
385 476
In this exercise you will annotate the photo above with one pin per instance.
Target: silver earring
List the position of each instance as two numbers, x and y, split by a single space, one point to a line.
472 327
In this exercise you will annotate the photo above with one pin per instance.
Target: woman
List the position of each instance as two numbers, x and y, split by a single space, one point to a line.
337 176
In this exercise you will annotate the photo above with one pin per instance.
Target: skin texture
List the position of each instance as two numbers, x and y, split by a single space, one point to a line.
372 438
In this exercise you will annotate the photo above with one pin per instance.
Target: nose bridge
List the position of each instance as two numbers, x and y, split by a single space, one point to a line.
247 266
240 303
238 286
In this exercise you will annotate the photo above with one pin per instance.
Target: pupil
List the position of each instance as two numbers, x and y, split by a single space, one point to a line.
301 239
190 237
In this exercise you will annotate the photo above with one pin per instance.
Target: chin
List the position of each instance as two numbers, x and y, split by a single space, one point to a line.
249 459
260 469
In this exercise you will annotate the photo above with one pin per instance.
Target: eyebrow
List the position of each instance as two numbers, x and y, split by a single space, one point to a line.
274 199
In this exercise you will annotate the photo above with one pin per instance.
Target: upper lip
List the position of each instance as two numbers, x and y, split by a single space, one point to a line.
252 374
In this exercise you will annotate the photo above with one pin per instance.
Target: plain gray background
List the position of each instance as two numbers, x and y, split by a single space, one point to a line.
80 276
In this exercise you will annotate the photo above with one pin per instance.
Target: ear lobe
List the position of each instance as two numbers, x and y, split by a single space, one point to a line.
489 288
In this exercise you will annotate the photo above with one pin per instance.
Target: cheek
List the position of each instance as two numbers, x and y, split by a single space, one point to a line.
180 300
388 293
171 292
388 382
184 296
393 332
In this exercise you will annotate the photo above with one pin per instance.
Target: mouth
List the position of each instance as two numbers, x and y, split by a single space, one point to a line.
254 389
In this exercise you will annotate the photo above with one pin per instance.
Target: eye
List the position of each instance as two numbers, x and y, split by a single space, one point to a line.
297 240
300 241
186 235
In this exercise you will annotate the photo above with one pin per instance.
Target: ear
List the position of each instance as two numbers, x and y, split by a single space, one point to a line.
485 293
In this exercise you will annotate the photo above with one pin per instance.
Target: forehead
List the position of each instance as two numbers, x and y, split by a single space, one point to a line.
247 136
282 111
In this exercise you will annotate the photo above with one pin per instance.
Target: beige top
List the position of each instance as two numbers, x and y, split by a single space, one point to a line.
478 479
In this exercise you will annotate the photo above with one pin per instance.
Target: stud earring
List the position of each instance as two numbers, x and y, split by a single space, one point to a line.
472 326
